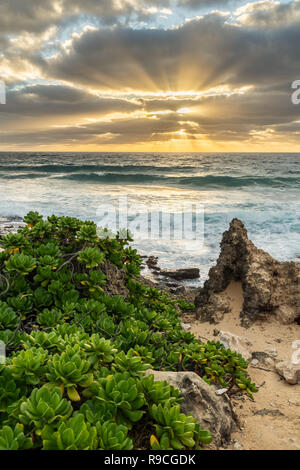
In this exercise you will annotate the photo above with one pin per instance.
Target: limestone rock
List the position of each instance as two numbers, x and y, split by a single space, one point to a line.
270 287
290 370
213 412
236 343
237 446
185 326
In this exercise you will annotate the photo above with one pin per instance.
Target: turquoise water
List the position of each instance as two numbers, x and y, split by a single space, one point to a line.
261 189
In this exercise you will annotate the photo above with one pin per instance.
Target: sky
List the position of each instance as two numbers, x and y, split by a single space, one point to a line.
149 75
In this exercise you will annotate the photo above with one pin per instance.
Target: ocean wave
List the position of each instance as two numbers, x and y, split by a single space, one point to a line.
71 168
208 181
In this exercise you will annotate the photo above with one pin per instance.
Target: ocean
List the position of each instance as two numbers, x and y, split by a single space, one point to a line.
263 190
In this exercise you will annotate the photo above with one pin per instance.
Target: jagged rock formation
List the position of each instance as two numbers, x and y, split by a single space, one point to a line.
213 412
270 287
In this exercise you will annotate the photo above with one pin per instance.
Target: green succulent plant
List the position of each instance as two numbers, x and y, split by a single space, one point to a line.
113 436
160 392
8 318
121 397
49 318
14 242
21 303
32 218
29 366
99 351
91 257
130 362
74 434
19 263
14 439
9 390
69 370
175 430
88 233
44 406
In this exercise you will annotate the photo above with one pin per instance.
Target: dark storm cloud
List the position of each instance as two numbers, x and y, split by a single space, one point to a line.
229 118
131 130
49 100
27 15
202 53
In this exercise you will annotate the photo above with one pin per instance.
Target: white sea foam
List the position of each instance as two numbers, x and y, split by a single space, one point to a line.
262 190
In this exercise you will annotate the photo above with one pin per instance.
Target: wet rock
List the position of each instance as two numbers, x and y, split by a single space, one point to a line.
171 284
213 412
236 343
270 287
181 274
152 262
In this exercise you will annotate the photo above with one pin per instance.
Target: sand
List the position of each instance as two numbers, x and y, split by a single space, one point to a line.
280 428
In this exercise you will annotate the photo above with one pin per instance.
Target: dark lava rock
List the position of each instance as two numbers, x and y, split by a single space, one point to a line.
180 274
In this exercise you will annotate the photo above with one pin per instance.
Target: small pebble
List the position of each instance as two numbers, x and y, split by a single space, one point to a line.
293 402
273 352
237 446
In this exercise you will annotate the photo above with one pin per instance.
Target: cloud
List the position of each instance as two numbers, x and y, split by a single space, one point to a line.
205 52
47 100
30 15
17 16
220 118
268 14
205 3
111 84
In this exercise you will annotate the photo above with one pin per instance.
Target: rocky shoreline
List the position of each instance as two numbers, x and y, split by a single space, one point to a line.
251 304
10 224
